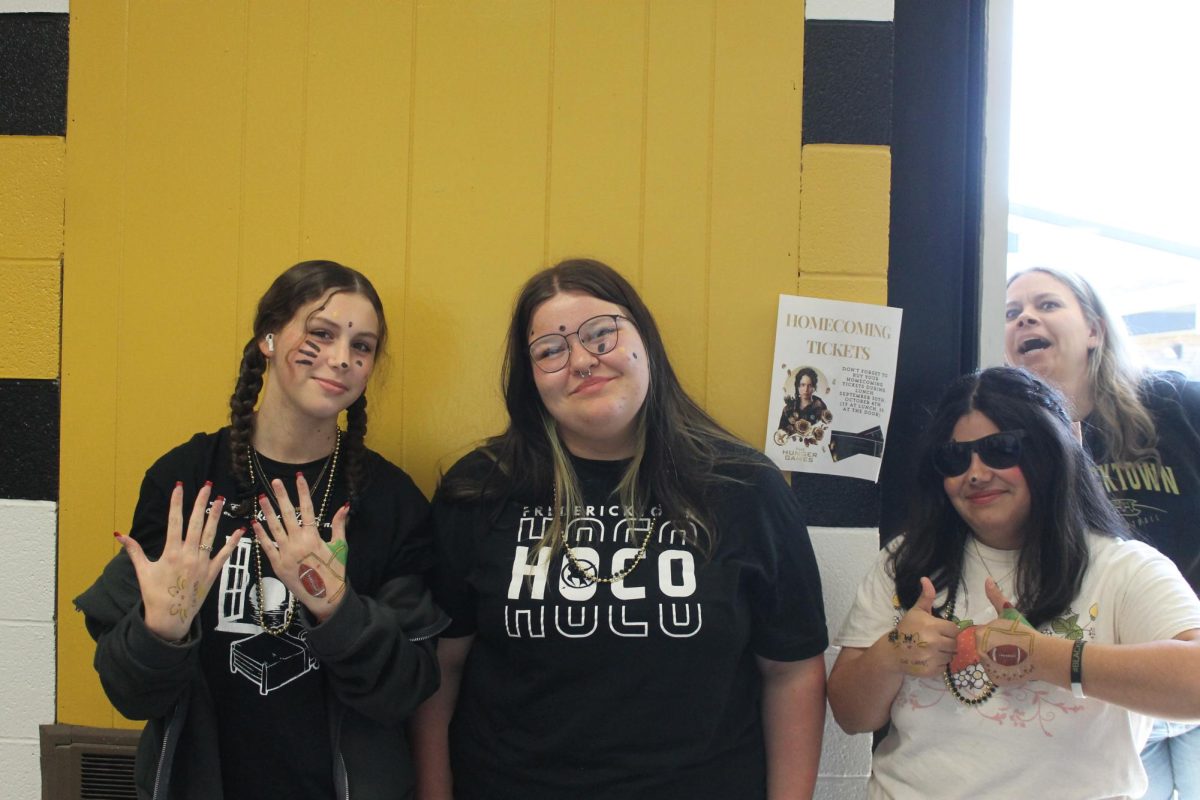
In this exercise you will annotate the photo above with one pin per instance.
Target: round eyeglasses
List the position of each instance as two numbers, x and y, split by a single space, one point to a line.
598 335
998 451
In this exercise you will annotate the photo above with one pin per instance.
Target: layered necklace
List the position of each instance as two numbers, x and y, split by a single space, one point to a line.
260 478
972 677
591 573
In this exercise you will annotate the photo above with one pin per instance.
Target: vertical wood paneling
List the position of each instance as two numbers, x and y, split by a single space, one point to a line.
449 150
272 152
95 234
356 138
756 199
597 128
183 156
478 211
356 168
677 195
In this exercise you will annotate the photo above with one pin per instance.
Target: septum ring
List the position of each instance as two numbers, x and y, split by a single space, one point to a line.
583 373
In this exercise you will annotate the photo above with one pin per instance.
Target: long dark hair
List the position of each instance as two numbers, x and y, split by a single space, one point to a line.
678 444
296 287
1066 498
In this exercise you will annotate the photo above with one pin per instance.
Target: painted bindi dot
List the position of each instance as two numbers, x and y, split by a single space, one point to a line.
349 324
634 356
562 327
359 363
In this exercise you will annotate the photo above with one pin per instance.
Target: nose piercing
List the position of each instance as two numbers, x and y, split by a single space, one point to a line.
583 373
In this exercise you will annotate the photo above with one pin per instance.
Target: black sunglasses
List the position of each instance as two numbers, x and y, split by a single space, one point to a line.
998 451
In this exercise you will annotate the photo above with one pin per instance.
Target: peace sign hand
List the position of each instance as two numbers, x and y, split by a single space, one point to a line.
174 587
311 568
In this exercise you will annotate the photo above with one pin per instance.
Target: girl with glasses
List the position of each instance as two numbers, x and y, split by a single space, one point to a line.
267 614
637 609
1015 637
1142 429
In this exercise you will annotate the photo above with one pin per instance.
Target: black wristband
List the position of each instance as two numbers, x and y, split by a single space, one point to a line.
1077 669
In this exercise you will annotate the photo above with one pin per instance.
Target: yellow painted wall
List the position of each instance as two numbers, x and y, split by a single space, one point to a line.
448 150
32 186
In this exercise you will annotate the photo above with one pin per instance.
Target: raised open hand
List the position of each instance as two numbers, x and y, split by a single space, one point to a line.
174 586
311 568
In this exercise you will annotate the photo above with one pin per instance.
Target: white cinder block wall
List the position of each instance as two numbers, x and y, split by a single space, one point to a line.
27 573
844 555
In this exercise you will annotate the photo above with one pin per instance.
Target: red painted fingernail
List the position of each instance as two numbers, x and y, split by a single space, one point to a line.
116 534
178 484
208 484
262 497
220 498
239 530
299 474
1007 604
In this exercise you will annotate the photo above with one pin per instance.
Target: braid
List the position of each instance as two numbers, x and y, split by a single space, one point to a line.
356 432
241 412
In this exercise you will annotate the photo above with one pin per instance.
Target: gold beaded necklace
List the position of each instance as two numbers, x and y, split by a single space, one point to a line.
331 464
590 573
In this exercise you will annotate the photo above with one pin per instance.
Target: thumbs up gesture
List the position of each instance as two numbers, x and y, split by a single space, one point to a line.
1006 645
922 643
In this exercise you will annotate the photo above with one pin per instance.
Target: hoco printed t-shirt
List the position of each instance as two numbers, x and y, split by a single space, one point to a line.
645 688
1035 739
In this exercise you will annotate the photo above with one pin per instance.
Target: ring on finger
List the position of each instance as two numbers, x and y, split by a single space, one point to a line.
206 547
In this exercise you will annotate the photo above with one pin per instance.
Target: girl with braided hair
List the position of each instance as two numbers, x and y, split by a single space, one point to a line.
277 636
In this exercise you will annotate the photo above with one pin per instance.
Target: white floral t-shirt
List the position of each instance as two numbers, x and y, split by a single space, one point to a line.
1033 740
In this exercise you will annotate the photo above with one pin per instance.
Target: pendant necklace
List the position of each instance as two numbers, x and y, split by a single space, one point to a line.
261 479
987 569
590 572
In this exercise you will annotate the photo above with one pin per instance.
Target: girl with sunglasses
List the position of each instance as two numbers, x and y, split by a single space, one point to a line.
1142 429
1014 638
637 609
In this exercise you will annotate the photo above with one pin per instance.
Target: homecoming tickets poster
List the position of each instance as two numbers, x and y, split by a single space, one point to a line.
831 386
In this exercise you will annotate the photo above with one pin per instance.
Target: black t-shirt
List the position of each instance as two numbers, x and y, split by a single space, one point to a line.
1161 501
269 695
644 689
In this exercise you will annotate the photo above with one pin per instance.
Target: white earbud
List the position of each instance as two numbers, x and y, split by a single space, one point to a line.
270 343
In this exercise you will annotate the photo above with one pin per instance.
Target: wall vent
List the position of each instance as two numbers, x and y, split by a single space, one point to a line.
81 763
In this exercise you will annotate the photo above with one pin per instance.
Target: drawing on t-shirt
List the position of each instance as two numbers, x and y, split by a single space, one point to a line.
267 661
652 600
